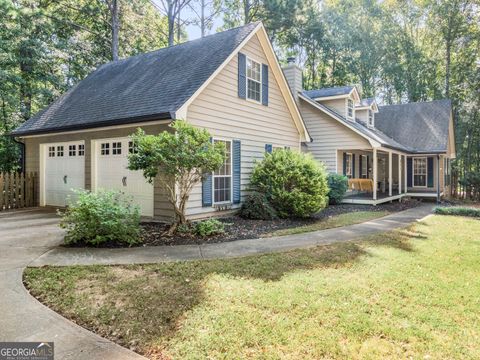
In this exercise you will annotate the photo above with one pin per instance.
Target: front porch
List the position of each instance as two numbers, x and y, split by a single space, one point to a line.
380 175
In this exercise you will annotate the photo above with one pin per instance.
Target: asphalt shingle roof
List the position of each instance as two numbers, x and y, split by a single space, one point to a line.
424 126
147 86
332 91
421 126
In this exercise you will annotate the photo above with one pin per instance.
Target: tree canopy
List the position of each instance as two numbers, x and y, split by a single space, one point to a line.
396 50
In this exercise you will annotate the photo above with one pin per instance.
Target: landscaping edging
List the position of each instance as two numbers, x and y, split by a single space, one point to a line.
62 256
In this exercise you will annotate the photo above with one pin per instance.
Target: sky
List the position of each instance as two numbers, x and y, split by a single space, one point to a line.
193 31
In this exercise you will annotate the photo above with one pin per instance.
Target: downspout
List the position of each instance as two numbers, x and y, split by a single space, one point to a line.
22 146
438 179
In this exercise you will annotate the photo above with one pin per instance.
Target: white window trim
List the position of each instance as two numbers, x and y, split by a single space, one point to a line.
353 109
246 80
370 116
364 163
231 174
426 172
349 155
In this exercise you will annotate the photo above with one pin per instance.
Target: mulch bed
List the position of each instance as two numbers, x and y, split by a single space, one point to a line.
239 229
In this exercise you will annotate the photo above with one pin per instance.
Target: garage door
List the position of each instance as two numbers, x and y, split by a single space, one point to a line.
112 173
64 172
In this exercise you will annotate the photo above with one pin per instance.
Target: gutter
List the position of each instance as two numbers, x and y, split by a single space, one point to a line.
132 120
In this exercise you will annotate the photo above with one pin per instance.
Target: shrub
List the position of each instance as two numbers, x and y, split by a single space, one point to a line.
257 207
209 227
101 218
293 182
338 185
458 211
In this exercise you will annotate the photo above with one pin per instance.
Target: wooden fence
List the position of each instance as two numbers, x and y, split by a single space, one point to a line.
17 190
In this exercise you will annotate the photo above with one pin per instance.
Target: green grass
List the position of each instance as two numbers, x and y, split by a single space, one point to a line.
411 293
332 222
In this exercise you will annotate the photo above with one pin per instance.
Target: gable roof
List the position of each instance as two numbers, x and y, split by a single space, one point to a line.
421 126
374 136
327 92
149 86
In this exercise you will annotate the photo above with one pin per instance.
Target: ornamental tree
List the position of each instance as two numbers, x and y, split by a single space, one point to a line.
180 159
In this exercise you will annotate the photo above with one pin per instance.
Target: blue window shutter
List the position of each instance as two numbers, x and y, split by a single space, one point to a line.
265 84
207 187
237 169
360 159
409 172
344 164
242 78
268 148
353 166
430 172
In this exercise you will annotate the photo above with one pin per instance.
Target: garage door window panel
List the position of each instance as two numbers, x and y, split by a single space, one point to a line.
105 149
72 150
117 148
51 151
81 150
59 151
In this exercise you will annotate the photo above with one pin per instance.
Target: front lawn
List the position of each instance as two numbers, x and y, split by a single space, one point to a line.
411 293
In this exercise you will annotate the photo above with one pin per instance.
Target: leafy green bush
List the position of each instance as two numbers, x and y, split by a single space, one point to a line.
105 217
293 182
257 207
458 211
338 185
209 227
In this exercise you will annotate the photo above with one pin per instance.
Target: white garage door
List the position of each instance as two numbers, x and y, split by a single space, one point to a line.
64 172
112 173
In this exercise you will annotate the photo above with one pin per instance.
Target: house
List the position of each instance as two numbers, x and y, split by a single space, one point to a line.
229 83
387 152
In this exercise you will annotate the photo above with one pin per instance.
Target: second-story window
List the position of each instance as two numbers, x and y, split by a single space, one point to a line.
350 110
254 84
370 118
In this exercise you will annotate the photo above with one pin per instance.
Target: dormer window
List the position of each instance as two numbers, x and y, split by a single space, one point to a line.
370 118
254 76
350 110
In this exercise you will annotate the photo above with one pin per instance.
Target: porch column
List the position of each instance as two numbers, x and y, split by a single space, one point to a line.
438 179
375 167
389 173
399 174
405 174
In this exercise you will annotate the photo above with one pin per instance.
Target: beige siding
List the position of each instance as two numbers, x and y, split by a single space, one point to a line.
162 208
329 135
219 110
339 105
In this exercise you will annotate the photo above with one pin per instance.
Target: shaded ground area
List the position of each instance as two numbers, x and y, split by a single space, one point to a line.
237 228
409 293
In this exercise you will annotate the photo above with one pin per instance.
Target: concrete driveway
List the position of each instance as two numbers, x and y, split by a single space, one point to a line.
24 236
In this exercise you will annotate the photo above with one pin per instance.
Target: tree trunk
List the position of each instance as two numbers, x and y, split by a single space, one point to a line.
179 28
115 28
447 68
246 11
171 24
202 19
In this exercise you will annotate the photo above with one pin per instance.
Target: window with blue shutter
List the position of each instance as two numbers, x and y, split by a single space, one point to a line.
409 172
207 187
242 78
237 169
265 84
207 190
344 164
268 148
430 175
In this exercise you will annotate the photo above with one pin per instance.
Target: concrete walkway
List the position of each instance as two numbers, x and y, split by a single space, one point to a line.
80 256
24 236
